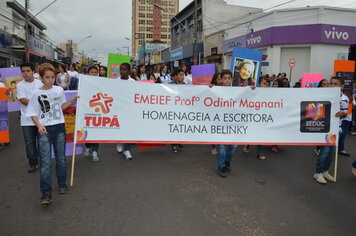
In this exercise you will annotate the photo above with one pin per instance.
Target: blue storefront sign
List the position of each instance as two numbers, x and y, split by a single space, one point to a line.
177 54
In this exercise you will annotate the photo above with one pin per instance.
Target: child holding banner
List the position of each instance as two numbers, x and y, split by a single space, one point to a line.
327 153
262 84
46 110
225 152
125 148
92 148
178 78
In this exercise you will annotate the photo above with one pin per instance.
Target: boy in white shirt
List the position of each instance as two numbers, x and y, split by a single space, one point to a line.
46 110
25 90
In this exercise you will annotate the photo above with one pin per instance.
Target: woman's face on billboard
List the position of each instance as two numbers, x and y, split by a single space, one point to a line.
246 71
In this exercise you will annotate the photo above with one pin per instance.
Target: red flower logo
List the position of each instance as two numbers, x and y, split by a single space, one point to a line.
102 102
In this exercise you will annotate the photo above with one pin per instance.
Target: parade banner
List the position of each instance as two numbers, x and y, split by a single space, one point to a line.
246 66
4 118
202 74
311 80
114 62
115 111
11 76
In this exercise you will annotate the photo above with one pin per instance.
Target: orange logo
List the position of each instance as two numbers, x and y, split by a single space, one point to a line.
101 102
315 112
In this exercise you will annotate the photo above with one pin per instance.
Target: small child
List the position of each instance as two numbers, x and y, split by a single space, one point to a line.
225 152
177 78
262 84
327 153
46 110
92 148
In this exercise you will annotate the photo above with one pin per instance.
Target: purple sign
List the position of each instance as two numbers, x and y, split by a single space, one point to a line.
202 74
11 76
297 34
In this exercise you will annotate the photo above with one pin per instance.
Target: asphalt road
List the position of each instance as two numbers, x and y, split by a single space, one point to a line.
162 193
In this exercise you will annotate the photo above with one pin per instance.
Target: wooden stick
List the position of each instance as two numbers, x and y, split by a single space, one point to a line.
336 161
73 161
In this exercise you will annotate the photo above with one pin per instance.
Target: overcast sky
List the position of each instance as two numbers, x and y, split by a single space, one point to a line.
109 21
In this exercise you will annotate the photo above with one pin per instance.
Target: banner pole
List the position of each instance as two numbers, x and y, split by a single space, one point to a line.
75 139
336 162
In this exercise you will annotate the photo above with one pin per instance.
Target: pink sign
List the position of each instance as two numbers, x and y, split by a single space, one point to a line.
311 80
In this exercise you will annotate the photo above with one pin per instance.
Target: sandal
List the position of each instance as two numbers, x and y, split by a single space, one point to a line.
274 149
261 156
246 149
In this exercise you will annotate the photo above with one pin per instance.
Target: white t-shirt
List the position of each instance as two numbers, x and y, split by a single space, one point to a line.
2 85
63 79
47 106
344 106
143 77
188 79
73 74
36 76
165 78
129 79
26 90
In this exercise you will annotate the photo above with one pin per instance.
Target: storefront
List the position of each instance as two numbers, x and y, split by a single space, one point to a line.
39 51
6 55
314 47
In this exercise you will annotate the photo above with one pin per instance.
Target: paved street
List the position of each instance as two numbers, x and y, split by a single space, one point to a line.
162 193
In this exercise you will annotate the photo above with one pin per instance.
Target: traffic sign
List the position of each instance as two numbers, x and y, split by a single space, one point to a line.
292 63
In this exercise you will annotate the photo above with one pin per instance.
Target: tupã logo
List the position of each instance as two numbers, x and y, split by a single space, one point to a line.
315 116
315 112
101 102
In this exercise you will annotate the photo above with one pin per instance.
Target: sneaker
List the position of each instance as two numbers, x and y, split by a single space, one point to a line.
87 152
327 176
319 178
344 153
222 172
174 148
95 156
353 171
317 150
62 189
127 155
227 166
119 147
180 147
33 168
353 133
46 199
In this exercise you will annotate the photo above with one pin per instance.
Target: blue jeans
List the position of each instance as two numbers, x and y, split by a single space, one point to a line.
344 127
93 146
30 133
225 153
56 136
325 158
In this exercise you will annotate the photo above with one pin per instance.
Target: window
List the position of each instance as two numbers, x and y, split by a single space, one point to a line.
149 15
164 29
172 9
141 22
141 15
149 36
140 41
164 3
164 36
172 3
142 1
149 22
164 16
141 8
149 8
164 23
141 28
148 28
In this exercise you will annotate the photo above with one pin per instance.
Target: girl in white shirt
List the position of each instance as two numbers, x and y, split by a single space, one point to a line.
63 78
164 76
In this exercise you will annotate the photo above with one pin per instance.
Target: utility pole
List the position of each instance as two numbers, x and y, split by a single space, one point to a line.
27 55
195 35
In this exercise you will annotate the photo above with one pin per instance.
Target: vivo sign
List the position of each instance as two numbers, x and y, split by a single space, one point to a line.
334 34
254 40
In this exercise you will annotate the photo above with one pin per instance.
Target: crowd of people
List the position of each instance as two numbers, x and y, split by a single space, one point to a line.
41 94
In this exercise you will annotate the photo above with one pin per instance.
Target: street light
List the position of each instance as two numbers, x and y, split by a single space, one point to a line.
71 45
87 37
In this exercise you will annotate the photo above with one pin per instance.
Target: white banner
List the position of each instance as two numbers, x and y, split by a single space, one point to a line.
114 111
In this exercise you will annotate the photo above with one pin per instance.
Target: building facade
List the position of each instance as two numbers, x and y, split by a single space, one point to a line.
313 36
151 22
